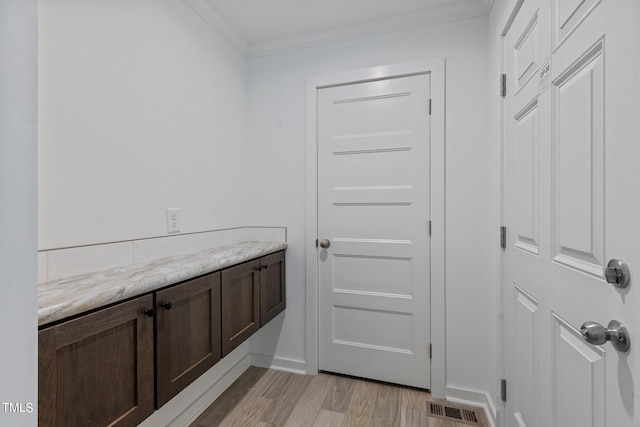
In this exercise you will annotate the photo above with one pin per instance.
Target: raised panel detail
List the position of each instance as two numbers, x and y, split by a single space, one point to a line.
526 349
526 53
578 382
578 164
379 142
387 330
371 275
380 195
567 16
527 215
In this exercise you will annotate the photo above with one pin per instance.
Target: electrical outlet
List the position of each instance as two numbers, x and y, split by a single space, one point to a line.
173 220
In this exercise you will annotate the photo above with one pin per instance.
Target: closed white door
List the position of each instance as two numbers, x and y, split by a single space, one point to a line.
571 204
373 210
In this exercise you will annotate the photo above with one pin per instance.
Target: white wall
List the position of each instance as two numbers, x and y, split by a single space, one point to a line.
18 197
143 107
277 138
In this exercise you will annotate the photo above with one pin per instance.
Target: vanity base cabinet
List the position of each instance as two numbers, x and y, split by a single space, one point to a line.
187 333
97 370
272 287
116 365
240 304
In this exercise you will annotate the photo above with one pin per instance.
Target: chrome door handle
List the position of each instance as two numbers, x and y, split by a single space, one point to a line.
616 332
325 243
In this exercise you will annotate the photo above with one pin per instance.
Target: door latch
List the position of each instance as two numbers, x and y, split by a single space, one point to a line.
617 273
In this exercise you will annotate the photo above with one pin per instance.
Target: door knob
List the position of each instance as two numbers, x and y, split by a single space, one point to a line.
616 332
325 243
617 273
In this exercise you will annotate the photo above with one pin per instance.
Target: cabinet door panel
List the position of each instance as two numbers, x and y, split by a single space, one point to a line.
272 287
240 304
98 369
188 333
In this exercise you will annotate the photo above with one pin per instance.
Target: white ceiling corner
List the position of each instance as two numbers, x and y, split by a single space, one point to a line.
264 27
488 4
215 20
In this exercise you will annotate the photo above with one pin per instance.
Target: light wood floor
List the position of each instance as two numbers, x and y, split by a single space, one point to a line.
268 398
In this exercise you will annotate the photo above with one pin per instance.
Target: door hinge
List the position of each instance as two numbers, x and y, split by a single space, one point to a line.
429 228
429 106
503 389
430 351
503 237
503 85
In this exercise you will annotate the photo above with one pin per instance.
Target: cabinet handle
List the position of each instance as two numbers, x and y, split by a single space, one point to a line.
167 305
264 267
258 268
150 312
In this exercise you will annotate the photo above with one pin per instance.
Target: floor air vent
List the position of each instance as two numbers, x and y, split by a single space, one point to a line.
459 413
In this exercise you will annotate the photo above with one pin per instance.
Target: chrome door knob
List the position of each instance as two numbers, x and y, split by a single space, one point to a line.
325 243
616 332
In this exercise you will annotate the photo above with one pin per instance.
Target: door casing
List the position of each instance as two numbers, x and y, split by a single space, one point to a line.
436 68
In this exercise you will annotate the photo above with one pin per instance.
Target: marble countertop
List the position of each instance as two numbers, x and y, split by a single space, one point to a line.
74 295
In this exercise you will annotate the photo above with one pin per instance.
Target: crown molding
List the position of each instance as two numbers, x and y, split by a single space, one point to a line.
459 10
488 4
218 23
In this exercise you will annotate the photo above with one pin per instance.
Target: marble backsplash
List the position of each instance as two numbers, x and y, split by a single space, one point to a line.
61 263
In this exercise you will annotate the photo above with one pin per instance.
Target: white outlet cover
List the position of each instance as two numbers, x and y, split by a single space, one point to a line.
173 220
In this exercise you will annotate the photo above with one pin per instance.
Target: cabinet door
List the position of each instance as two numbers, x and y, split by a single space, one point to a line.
272 287
187 333
97 370
240 304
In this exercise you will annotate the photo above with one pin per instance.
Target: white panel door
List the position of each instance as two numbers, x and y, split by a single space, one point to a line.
373 207
571 201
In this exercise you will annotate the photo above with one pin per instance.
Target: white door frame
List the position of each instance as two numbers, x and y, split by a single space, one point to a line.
436 68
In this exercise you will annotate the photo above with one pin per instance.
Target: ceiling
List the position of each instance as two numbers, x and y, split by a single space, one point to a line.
260 26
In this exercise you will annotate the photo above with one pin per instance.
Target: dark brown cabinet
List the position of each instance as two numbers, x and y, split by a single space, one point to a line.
253 293
272 287
240 304
97 370
187 333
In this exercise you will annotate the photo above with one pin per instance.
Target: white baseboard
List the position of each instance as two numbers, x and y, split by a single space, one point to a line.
187 406
473 398
279 363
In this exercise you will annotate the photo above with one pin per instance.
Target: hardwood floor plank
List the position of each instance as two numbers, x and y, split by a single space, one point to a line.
439 422
310 403
250 413
387 408
231 397
412 398
328 419
340 394
278 383
360 410
286 401
413 417
270 398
